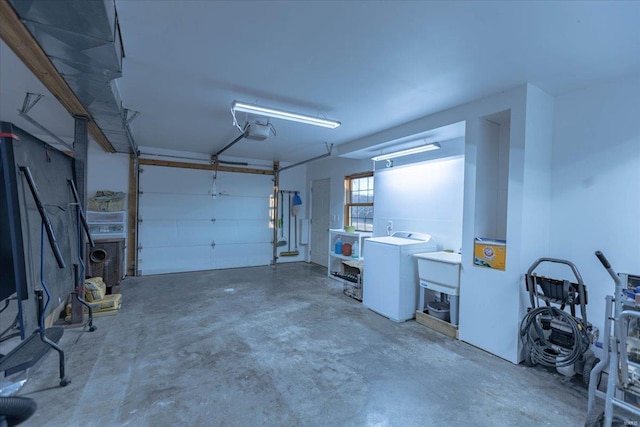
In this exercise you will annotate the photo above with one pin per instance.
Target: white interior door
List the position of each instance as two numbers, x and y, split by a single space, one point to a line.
184 228
319 221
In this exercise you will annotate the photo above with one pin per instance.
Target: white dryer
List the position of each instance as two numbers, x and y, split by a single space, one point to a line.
390 286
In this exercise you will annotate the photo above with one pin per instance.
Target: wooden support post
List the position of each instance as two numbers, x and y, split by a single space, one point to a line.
80 154
132 220
276 202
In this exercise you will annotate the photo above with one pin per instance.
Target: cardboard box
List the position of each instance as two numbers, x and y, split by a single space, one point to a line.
490 253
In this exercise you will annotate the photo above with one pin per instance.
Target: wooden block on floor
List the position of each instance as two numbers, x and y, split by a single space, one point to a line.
436 324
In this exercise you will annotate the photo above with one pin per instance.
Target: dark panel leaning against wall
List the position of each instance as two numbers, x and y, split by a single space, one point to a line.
51 170
11 266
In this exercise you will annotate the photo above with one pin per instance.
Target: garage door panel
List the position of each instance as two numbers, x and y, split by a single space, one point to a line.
158 179
196 258
247 185
245 208
238 231
200 233
171 259
242 255
177 231
157 233
154 206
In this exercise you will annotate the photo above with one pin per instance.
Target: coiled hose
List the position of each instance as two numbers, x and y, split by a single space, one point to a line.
14 410
545 352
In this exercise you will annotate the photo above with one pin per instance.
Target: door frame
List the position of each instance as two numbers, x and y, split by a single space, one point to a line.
314 246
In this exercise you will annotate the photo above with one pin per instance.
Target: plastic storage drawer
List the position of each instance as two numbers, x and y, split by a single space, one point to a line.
108 217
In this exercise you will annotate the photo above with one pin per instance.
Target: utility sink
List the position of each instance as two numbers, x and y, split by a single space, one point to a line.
440 271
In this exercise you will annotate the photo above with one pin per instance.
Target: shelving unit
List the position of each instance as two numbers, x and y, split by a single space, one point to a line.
347 269
109 232
335 261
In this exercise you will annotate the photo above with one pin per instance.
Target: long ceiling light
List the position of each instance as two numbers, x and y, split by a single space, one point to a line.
415 150
285 115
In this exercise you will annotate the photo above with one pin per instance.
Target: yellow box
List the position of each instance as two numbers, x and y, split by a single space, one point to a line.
490 253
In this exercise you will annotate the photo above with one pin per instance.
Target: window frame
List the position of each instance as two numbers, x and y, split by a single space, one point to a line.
347 196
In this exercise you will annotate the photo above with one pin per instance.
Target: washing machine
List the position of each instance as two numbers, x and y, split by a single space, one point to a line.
390 285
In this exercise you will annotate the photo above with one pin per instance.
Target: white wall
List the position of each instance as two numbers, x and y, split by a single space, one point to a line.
295 179
336 168
595 184
487 164
503 180
106 171
490 309
491 301
424 197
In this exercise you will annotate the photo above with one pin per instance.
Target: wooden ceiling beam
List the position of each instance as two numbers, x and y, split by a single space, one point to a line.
201 166
26 47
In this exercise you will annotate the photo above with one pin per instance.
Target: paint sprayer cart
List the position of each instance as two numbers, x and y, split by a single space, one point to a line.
551 336
621 356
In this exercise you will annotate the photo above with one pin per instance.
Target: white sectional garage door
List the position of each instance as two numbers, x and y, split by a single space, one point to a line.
183 228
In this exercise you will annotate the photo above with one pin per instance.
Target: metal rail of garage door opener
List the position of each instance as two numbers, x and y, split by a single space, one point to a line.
321 156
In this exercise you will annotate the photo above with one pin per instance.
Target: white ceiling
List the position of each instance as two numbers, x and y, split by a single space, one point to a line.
370 65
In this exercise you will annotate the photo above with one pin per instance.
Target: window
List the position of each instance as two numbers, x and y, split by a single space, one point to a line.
359 201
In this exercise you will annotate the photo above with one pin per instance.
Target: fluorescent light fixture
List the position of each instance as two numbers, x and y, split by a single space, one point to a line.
415 150
285 115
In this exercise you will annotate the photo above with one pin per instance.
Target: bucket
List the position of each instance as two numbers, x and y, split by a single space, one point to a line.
439 310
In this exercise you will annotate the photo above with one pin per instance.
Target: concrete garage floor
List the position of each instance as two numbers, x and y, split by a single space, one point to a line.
282 347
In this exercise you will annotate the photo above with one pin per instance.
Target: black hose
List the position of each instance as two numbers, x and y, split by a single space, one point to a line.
541 349
14 410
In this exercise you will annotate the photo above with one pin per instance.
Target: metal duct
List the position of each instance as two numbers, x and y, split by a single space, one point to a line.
82 40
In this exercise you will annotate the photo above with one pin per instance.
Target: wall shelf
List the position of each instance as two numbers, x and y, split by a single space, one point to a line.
335 261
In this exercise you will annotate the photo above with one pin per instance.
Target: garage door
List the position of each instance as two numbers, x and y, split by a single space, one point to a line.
183 227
